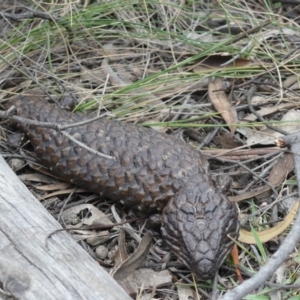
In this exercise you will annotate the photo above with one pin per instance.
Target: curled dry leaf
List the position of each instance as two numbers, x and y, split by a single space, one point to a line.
135 259
89 215
145 279
220 101
268 234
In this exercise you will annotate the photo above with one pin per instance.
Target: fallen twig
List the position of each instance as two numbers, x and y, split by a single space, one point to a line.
28 15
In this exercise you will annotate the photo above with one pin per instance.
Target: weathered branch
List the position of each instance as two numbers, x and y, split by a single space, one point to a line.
30 269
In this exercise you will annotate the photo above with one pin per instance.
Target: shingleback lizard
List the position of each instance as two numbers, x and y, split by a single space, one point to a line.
151 172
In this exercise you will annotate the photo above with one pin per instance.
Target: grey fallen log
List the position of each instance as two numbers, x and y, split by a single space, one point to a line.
30 269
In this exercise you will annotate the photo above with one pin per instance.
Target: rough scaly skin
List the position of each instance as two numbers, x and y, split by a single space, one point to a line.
152 172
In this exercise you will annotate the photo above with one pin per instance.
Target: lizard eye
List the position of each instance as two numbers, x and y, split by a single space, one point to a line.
188 209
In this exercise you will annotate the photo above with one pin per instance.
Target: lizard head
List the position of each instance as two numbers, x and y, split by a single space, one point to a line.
197 225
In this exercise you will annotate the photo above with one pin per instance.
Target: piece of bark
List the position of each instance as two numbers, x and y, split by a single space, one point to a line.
32 269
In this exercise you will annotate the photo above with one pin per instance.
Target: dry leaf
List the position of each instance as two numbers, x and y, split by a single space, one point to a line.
271 33
265 111
114 78
275 295
226 140
87 214
94 76
217 60
269 234
254 192
220 101
37 177
280 170
288 203
147 296
206 37
53 186
113 52
185 292
61 192
290 81
16 164
16 139
91 215
236 260
145 279
266 137
135 259
121 254
257 137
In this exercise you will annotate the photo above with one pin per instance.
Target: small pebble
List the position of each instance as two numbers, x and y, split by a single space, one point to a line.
101 252
16 164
